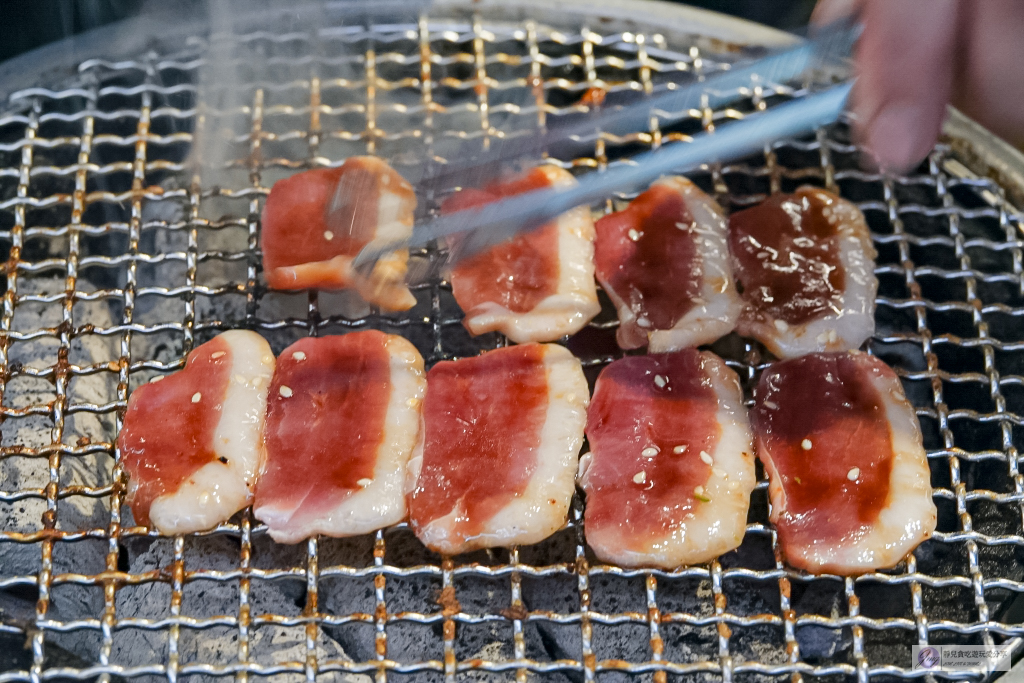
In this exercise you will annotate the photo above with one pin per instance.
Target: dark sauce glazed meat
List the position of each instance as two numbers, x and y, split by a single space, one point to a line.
805 266
789 257
664 263
848 476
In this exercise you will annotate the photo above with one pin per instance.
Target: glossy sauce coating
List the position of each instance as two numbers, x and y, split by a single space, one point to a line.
168 432
482 418
787 255
325 419
825 428
648 254
645 409
518 274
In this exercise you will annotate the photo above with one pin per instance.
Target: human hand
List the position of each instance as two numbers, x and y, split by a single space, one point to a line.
917 56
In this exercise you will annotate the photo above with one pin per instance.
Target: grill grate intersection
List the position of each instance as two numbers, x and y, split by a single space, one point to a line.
121 256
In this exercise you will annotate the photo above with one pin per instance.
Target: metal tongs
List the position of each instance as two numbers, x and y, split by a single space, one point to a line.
472 230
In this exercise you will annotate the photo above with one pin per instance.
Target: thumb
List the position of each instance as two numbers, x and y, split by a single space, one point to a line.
905 75
827 11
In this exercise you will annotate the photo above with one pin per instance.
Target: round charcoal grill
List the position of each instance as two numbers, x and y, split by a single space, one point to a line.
125 245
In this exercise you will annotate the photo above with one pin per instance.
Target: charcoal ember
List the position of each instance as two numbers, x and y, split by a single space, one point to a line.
548 640
408 642
819 643
688 644
937 558
419 592
683 642
32 436
483 596
490 642
353 597
556 594
626 641
758 642
209 600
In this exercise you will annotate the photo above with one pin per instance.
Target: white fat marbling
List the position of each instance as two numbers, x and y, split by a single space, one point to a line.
574 302
712 527
847 325
219 489
381 502
542 508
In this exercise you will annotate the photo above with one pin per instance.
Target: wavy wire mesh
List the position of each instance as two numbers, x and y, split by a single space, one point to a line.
118 261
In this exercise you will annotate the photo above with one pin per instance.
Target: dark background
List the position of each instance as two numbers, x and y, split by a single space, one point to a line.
28 24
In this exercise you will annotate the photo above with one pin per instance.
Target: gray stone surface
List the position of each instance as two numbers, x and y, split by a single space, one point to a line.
207 600
69 601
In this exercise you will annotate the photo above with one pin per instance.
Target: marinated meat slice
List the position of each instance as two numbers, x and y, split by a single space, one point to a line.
342 421
192 441
498 455
847 474
664 263
538 286
671 465
805 264
304 249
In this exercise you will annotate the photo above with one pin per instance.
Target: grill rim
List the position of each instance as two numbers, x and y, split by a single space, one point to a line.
130 37
987 155
996 158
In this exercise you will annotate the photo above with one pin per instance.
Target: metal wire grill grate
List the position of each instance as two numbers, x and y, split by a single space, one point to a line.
119 260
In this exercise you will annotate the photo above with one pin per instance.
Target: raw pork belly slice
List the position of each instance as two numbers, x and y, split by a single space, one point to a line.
301 249
538 286
671 463
806 266
498 455
847 474
192 441
664 262
342 421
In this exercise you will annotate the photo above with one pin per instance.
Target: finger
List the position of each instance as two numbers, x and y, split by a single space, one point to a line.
828 11
988 87
905 62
